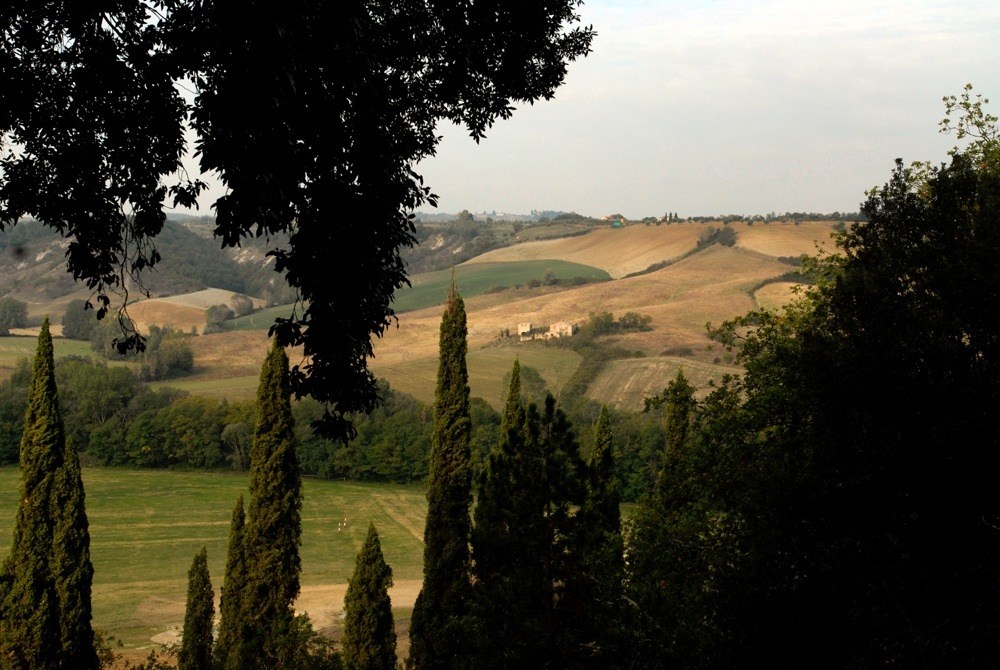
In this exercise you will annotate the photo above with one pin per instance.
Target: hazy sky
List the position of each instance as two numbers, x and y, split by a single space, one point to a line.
730 107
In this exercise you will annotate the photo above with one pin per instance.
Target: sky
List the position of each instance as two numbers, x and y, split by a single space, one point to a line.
741 107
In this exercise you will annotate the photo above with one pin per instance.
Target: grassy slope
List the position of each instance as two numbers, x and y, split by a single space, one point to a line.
626 383
14 348
146 526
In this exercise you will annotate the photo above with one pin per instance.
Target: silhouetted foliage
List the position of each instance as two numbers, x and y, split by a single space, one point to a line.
439 635
308 142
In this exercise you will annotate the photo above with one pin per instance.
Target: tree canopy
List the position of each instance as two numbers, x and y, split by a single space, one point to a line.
312 118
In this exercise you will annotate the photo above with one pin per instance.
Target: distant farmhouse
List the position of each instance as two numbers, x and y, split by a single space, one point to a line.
558 329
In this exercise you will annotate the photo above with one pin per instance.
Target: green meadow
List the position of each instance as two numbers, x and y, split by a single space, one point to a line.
14 348
147 525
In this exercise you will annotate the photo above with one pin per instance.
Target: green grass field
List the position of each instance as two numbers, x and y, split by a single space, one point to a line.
230 388
14 348
147 525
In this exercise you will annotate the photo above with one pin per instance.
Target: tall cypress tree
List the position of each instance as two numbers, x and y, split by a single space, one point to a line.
46 609
228 648
369 641
196 644
71 566
597 588
511 597
438 629
273 532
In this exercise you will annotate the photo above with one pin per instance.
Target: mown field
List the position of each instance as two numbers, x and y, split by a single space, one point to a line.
626 383
147 525
14 348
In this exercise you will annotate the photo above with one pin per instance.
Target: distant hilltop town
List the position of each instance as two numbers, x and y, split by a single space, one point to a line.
558 329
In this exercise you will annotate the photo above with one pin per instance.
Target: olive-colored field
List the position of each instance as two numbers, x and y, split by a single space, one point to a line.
14 348
147 525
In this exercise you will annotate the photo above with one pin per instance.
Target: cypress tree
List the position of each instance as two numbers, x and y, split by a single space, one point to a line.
598 598
438 629
511 597
46 608
273 532
71 566
228 648
196 644
369 641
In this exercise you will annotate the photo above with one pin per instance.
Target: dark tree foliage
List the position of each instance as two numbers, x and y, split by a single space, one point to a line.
71 566
369 641
439 636
13 314
526 542
77 321
196 643
510 594
594 603
312 117
835 506
45 617
228 648
678 404
274 528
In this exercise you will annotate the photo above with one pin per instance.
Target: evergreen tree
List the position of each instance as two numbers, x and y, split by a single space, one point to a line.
196 644
273 532
511 595
438 634
71 566
46 609
229 646
369 641
597 588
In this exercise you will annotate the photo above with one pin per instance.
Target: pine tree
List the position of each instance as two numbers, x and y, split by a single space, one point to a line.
438 631
273 532
48 573
228 648
369 641
196 644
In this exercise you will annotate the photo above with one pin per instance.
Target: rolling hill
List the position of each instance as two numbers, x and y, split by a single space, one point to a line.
507 286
